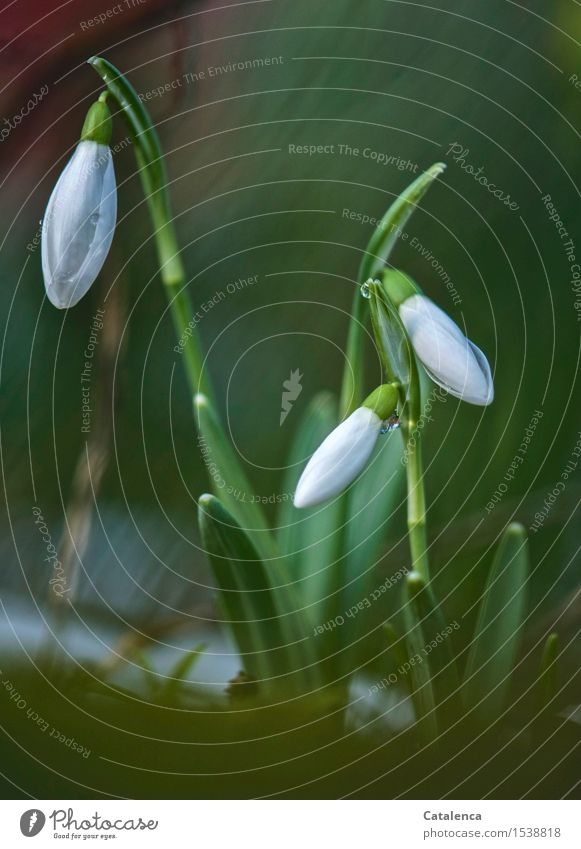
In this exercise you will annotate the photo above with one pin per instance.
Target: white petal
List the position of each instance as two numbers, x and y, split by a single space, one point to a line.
78 225
339 459
450 359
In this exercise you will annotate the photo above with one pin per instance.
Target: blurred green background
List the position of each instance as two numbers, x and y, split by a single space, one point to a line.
401 82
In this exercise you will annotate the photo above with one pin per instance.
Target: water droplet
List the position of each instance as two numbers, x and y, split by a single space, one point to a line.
365 290
392 423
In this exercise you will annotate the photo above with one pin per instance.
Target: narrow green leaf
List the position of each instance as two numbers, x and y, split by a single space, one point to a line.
397 646
374 259
353 380
417 669
438 648
228 479
548 680
183 666
273 641
310 537
372 504
151 678
391 225
244 590
373 500
498 632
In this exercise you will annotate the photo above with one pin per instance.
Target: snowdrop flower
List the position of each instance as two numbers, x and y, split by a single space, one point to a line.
347 449
78 226
449 358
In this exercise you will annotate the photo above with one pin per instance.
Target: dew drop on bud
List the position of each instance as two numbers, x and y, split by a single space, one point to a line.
365 291
392 423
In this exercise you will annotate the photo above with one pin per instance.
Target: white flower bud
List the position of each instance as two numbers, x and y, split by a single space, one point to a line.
79 223
339 458
449 358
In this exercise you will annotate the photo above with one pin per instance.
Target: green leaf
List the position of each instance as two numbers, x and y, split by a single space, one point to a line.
272 640
354 370
228 479
498 632
439 648
372 505
374 259
419 674
397 646
310 537
151 678
548 680
391 225
177 675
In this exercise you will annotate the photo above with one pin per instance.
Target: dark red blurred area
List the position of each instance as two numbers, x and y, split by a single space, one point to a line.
43 41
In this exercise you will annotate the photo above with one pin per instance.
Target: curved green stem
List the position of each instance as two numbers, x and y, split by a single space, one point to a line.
416 507
150 161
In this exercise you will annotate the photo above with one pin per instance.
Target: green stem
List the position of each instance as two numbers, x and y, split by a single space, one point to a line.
174 281
416 497
150 161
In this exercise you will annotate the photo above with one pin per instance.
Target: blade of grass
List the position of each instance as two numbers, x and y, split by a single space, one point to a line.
150 676
177 675
498 629
228 479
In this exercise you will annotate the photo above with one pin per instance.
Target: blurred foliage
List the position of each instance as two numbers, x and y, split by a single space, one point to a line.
401 79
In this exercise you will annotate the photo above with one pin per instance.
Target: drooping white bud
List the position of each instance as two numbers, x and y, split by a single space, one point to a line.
347 449
78 226
449 358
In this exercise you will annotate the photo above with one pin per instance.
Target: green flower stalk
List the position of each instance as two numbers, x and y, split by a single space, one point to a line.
150 161
399 362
